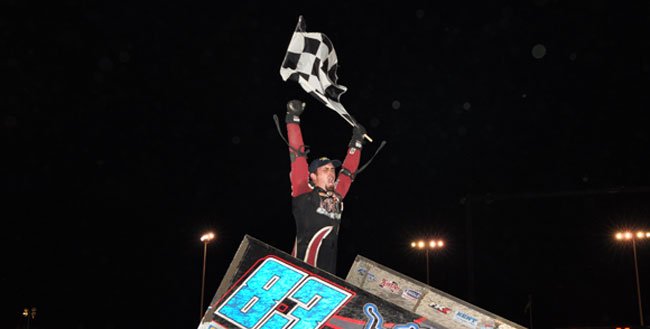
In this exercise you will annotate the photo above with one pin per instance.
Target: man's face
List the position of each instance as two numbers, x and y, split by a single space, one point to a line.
324 177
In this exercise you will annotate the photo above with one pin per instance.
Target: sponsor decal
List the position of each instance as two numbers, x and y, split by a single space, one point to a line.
277 294
411 294
391 286
487 324
440 308
369 276
466 319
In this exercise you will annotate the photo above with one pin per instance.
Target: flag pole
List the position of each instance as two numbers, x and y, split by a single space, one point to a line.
354 125
352 122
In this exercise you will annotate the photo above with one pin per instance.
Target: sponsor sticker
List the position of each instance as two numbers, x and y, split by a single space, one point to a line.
487 324
466 319
362 271
391 286
411 294
440 308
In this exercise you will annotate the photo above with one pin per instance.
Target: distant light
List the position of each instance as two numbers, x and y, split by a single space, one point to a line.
396 105
619 236
647 234
539 51
628 235
427 244
207 237
640 235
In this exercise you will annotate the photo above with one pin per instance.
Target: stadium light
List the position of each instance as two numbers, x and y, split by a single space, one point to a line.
205 238
634 237
426 246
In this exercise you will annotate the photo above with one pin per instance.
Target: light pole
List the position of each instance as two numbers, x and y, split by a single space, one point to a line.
629 236
205 238
427 245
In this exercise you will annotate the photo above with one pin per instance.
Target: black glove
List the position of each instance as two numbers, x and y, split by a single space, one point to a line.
294 110
357 140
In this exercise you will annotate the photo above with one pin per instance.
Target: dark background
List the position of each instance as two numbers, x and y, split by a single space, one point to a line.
129 128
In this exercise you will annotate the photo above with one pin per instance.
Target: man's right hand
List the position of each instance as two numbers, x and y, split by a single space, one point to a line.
357 140
294 110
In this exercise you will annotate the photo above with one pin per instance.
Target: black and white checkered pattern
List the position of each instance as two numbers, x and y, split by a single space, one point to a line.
311 61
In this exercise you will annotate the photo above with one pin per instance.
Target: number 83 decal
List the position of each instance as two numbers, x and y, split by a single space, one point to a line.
279 296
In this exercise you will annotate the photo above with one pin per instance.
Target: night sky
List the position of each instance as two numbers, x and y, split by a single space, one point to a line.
516 131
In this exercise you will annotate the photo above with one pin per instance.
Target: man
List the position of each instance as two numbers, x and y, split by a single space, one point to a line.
317 193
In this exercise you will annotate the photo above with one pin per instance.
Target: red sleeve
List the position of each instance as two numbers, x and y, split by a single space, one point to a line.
351 164
299 174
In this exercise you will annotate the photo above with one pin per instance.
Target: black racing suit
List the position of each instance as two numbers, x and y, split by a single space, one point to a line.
317 212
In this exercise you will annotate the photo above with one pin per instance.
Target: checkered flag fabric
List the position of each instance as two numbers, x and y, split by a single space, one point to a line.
311 61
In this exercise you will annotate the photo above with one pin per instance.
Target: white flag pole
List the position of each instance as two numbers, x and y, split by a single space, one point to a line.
347 117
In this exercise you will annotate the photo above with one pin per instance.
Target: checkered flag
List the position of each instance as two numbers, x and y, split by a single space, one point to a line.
311 61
